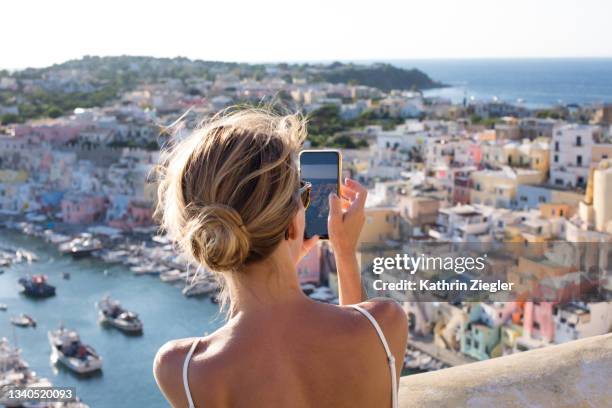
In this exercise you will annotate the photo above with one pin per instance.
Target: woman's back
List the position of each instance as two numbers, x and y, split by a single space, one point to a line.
233 200
300 355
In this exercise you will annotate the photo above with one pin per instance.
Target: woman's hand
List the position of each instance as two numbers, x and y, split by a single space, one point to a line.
346 217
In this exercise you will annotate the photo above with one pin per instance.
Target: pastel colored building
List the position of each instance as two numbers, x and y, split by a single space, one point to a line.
309 268
499 187
82 209
578 320
538 322
381 225
571 153
480 341
531 196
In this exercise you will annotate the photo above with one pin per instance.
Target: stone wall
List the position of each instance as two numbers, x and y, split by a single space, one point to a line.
574 374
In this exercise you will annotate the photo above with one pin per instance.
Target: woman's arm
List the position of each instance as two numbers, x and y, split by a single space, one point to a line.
346 219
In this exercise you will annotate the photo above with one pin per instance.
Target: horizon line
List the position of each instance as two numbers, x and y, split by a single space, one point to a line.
317 61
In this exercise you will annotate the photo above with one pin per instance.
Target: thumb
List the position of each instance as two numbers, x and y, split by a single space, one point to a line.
335 206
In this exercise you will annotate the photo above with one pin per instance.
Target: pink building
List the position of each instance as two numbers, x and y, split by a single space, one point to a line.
138 214
53 133
82 209
309 269
538 321
475 152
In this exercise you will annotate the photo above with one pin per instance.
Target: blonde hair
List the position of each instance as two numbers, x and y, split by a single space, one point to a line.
228 191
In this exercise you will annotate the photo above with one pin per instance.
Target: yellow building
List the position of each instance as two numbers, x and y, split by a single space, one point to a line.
13 176
381 225
498 188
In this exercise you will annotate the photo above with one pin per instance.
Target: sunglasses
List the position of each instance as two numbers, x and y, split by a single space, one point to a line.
304 191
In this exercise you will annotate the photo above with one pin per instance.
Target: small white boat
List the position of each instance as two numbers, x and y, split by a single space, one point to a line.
3 307
172 276
81 246
200 288
322 294
111 312
23 320
148 269
67 348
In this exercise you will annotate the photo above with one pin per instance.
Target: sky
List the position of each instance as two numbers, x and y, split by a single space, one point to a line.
43 32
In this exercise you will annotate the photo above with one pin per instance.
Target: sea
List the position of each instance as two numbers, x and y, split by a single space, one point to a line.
127 377
533 83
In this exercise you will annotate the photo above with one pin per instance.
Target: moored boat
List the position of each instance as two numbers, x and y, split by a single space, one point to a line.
23 320
200 288
36 286
81 246
112 313
67 348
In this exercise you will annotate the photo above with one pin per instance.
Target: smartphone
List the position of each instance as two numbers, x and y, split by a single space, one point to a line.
322 168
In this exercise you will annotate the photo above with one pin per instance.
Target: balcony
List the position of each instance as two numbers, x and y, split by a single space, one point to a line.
574 374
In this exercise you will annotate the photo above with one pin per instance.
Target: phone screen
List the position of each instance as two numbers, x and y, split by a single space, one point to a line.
322 170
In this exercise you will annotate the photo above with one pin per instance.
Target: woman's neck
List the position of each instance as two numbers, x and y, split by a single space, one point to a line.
267 284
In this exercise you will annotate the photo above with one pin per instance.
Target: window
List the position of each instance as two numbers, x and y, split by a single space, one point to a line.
476 344
556 146
561 212
579 160
536 325
578 140
580 181
556 158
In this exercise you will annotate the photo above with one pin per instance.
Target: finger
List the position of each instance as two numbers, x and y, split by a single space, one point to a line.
354 185
335 206
360 200
349 193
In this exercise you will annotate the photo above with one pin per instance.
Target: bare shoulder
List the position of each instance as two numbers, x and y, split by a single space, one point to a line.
386 312
168 367
168 370
392 319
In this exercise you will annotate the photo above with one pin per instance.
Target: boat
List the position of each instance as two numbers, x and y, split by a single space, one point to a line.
148 269
55 238
199 288
112 313
67 348
322 294
15 372
3 307
23 320
22 255
66 275
36 286
81 246
173 275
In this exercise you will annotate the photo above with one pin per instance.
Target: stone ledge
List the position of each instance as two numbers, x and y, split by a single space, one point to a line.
573 374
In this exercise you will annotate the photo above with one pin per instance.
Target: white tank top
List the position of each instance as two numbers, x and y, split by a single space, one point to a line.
381 336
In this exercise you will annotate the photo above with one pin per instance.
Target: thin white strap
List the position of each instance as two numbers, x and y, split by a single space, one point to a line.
390 358
185 368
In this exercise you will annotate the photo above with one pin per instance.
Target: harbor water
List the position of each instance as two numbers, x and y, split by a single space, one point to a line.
126 379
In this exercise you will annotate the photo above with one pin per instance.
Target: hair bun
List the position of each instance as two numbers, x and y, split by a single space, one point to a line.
219 238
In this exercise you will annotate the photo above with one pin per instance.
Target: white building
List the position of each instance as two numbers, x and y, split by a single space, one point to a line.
570 154
582 319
